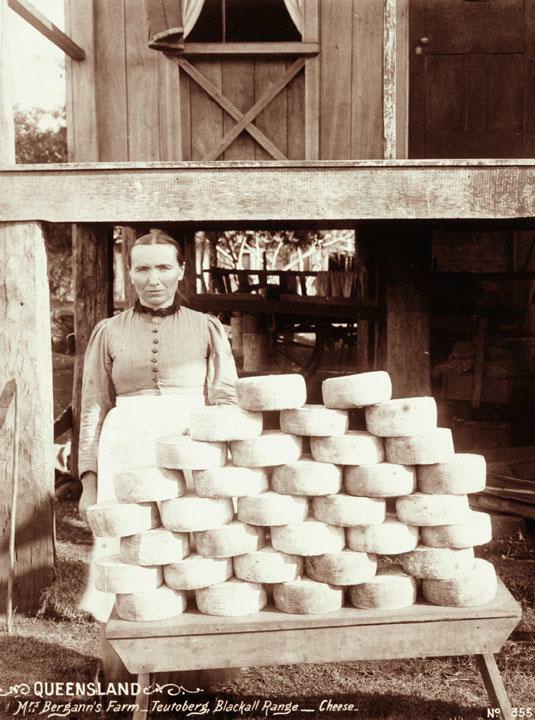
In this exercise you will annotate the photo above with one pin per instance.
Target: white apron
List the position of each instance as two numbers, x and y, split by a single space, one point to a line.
127 441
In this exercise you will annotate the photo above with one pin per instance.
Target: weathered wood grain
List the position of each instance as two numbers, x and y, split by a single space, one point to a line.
494 685
82 136
206 115
238 87
251 48
312 111
25 351
249 192
92 248
272 119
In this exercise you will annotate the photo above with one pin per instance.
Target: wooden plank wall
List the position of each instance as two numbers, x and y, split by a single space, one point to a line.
147 110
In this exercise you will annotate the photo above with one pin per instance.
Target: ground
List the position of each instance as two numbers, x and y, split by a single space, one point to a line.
62 644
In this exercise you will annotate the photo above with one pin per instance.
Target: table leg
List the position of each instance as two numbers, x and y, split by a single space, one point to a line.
494 685
142 699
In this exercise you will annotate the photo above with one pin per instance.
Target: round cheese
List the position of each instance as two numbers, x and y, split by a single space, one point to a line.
348 510
437 563
307 597
271 448
310 537
154 547
307 477
380 480
223 423
390 538
423 509
190 513
268 566
402 417
236 538
464 473
113 519
433 447
231 598
184 453
196 571
352 391
315 420
477 587
390 589
115 576
271 392
149 483
230 481
353 448
341 568
476 530
151 605
271 508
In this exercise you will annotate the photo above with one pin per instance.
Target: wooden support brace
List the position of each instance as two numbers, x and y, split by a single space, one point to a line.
494 685
142 699
42 24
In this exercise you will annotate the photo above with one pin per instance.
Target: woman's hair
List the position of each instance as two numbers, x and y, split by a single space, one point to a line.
156 237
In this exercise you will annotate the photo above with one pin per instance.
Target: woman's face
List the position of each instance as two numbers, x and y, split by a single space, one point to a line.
155 274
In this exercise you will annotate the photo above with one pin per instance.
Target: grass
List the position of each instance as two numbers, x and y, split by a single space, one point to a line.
62 644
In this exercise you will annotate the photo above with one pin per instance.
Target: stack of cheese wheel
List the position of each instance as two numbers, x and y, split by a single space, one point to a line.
257 520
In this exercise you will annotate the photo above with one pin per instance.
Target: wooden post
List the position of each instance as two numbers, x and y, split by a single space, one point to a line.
396 75
25 349
7 130
404 269
93 292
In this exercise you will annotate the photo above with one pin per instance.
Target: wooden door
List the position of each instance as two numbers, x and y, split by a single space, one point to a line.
472 64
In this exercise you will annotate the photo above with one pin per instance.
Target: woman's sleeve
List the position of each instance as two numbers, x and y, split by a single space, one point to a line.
98 397
222 375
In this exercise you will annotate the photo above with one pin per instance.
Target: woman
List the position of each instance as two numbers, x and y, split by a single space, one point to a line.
144 371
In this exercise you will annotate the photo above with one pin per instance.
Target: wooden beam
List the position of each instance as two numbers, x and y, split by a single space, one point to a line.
93 290
250 48
390 79
248 192
405 276
42 24
25 349
7 129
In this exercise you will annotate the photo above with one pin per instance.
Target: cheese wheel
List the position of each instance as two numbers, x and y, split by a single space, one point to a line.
423 509
477 587
230 481
315 420
348 510
310 537
196 571
113 519
271 392
223 423
115 576
307 597
231 598
433 447
271 508
271 448
402 417
342 568
390 538
464 473
149 483
390 589
159 604
476 530
267 566
307 477
437 563
184 453
236 538
352 391
380 480
154 547
190 513
353 448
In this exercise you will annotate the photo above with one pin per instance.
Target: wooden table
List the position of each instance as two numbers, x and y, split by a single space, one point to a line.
193 641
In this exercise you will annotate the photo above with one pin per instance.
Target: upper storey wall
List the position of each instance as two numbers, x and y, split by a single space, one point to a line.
127 102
